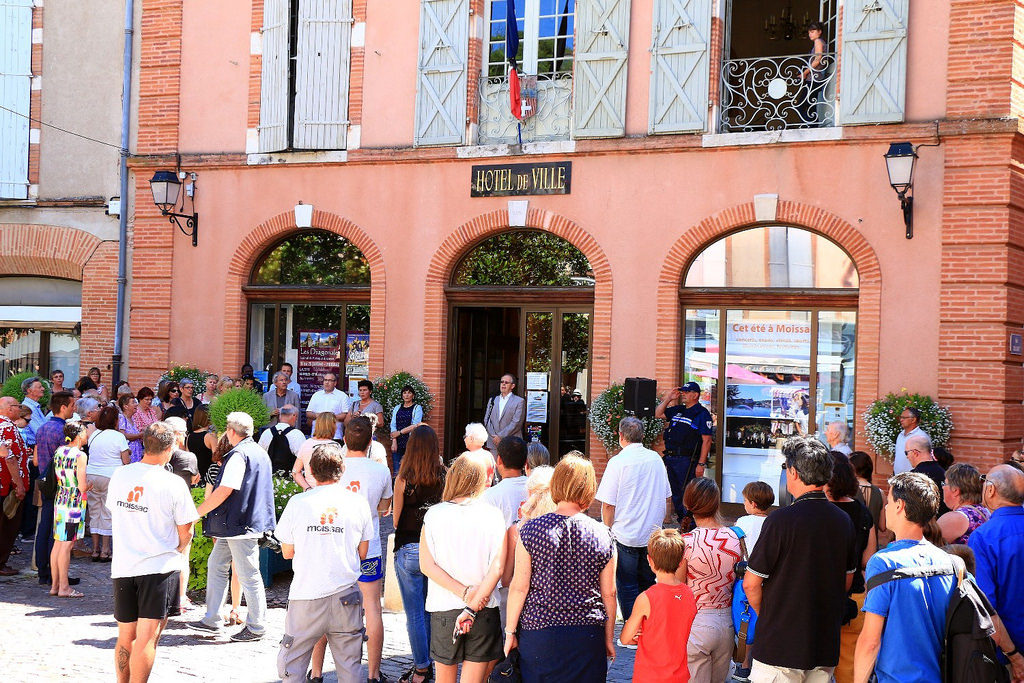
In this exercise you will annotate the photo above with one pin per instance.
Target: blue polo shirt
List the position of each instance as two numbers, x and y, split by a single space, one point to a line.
998 547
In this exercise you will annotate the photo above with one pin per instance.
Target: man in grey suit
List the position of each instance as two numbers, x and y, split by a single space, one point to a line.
506 414
280 396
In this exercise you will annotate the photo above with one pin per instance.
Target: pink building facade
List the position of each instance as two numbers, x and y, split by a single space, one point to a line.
726 190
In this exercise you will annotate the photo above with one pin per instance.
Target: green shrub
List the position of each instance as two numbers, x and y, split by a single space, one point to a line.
605 413
179 372
12 387
882 421
242 400
201 549
388 392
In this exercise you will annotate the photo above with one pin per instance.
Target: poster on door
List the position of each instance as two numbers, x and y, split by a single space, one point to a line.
357 355
769 338
319 353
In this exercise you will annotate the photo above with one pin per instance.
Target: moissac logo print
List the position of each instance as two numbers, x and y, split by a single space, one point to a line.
134 500
326 525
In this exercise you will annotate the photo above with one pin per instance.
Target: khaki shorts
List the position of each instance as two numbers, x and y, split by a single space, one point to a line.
99 513
766 673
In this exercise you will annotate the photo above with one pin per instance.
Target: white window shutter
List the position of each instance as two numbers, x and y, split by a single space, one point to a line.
322 74
273 133
441 82
15 91
680 67
874 67
599 81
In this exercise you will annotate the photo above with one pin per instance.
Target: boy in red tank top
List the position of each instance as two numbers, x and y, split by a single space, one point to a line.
662 616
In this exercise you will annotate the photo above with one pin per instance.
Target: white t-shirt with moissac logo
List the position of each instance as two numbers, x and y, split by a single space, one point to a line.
326 524
372 481
147 504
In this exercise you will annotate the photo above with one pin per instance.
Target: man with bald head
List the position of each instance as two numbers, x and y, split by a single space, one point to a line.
918 450
998 547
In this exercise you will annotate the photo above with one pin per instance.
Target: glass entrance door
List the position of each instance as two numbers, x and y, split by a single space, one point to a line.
548 348
763 362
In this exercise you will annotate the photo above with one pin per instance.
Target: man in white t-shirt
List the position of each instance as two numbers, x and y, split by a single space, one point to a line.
330 399
238 511
326 532
283 454
509 494
635 497
372 481
152 514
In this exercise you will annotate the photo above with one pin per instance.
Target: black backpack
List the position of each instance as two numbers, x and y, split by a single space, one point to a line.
280 452
968 651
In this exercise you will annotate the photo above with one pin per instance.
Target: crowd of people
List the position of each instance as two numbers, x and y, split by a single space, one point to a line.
498 560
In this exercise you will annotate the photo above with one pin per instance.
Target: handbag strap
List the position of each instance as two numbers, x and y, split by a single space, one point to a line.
742 539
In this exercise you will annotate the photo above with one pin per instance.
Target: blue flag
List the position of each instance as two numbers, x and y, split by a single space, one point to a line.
511 33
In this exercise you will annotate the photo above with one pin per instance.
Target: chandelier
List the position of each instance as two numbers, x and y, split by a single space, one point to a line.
784 26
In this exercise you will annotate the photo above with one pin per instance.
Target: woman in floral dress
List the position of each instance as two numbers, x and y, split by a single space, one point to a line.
68 507
126 425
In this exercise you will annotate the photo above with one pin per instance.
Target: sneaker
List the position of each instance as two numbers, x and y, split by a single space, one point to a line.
202 627
741 674
314 679
246 636
622 644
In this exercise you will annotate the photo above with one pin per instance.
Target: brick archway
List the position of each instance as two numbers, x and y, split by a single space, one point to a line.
468 235
263 236
700 235
74 255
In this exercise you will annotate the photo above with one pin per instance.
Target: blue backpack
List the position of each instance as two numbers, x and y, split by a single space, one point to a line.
744 618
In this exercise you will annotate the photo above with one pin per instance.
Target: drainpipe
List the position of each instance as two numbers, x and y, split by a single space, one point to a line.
122 244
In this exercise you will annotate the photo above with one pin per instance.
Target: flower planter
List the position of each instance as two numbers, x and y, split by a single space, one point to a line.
272 563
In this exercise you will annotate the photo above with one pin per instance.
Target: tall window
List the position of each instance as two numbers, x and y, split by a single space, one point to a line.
304 86
15 87
545 36
311 291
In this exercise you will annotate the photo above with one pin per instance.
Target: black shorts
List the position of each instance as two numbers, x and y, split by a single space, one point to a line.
483 643
151 596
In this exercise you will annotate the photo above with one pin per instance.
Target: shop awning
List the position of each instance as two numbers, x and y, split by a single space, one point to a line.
41 317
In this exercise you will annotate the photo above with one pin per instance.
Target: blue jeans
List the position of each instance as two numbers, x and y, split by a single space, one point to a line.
632 576
246 554
413 586
44 540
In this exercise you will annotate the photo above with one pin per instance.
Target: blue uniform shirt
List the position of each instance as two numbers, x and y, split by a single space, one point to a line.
686 428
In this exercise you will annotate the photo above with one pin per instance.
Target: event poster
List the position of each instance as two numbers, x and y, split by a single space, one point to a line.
537 406
319 353
357 355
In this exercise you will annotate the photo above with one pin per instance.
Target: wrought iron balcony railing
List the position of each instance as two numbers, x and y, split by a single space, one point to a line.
777 93
552 120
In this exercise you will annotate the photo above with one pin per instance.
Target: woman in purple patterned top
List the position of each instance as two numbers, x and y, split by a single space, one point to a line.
561 604
126 425
962 493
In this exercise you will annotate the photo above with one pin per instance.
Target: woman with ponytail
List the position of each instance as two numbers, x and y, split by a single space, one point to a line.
68 506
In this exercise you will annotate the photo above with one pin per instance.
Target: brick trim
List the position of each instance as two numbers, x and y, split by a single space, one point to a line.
252 246
697 237
435 319
75 255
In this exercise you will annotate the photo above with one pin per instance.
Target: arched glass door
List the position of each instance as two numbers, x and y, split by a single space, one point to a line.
309 305
522 302
770 319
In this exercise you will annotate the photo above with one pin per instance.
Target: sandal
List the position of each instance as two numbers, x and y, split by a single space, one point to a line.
95 557
72 594
232 618
104 558
425 675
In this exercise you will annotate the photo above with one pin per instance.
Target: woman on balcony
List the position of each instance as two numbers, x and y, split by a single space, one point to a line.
812 110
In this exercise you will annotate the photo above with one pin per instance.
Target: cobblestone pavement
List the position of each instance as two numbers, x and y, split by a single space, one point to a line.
49 639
